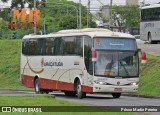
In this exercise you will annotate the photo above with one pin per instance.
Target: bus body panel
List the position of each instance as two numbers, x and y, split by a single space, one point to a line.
60 76
112 84
152 27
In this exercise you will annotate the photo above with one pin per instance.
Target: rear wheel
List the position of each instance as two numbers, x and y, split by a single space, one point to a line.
116 95
45 91
149 38
79 92
38 90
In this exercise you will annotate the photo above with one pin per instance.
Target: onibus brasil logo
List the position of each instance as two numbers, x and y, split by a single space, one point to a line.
33 18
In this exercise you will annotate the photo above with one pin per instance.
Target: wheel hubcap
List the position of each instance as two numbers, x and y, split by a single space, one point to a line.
37 89
79 89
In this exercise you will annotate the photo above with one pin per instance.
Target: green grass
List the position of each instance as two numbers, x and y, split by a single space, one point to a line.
150 77
33 101
10 66
49 101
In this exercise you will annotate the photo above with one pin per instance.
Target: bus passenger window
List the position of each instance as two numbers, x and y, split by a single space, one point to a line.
87 54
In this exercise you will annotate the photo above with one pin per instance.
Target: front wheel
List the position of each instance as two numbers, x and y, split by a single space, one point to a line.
79 92
116 95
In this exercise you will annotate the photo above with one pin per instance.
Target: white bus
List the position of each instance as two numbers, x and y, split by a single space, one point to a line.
63 61
150 23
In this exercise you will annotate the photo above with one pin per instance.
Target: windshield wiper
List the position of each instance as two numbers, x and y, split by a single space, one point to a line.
124 68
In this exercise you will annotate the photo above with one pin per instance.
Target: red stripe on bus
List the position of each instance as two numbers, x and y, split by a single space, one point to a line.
28 81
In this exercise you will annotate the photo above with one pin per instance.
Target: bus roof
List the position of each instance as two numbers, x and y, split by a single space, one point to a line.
151 6
93 32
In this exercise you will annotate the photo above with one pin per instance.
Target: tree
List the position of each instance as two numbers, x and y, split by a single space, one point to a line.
127 16
53 16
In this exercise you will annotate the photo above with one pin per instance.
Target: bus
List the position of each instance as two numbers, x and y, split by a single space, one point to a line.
76 62
150 23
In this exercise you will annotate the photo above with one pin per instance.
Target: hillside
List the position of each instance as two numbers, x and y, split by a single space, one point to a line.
10 66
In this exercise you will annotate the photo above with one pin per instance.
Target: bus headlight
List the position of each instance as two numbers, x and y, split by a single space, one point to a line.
100 82
134 83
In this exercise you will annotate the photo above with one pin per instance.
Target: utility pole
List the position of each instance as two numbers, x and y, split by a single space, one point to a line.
110 19
88 11
80 14
35 29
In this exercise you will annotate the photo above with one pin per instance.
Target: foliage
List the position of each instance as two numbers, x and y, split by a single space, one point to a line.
123 16
60 14
127 16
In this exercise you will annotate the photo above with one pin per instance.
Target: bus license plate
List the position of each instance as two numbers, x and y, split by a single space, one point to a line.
117 89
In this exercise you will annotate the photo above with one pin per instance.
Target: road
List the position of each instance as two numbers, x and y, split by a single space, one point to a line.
94 99
153 49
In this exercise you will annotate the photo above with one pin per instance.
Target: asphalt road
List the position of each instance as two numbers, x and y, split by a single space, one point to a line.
94 99
153 49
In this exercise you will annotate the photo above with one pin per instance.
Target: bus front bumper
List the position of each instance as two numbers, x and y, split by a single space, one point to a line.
114 88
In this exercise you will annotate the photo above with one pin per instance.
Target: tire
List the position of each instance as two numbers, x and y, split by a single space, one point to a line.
149 38
116 95
79 92
70 93
38 90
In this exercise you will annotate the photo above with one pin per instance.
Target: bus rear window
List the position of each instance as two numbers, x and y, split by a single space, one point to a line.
114 43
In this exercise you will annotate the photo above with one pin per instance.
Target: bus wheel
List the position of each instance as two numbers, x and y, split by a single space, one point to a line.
36 86
116 95
45 91
79 92
149 38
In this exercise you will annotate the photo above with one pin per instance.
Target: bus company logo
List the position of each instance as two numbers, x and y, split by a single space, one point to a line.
50 63
33 18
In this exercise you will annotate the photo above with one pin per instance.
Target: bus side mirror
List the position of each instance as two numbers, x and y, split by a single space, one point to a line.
137 51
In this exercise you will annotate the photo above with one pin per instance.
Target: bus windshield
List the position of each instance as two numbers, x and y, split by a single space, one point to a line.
116 57
116 64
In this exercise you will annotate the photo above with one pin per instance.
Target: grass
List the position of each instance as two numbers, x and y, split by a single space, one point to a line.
33 101
10 66
150 77
50 101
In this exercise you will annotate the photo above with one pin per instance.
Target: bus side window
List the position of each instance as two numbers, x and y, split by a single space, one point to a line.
87 54
24 47
41 45
78 46
58 43
49 46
